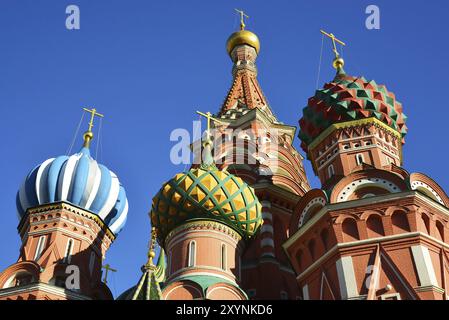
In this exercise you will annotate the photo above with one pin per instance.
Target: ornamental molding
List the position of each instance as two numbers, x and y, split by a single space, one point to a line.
70 208
415 185
204 225
355 123
353 186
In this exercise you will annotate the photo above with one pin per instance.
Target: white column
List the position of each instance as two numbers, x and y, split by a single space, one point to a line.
267 242
305 292
346 278
424 266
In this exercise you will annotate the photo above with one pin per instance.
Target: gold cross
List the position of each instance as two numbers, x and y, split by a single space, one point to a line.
242 18
108 268
334 39
93 112
209 118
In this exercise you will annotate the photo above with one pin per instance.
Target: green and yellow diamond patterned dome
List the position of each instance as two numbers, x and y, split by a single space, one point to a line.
206 193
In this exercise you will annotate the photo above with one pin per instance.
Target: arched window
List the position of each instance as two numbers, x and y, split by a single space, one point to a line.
350 231
299 259
21 278
223 257
192 254
68 251
312 247
426 222
325 238
400 222
440 229
39 248
330 171
374 226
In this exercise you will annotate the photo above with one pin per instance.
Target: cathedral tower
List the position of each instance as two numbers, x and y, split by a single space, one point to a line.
71 209
258 148
373 231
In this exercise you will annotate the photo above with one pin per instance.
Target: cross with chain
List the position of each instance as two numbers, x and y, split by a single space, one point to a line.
334 40
108 268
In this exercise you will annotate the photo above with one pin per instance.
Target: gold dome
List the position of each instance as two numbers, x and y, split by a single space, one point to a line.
242 37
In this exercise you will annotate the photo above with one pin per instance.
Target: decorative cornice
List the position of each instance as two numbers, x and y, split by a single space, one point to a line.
62 205
348 124
204 225
64 294
359 204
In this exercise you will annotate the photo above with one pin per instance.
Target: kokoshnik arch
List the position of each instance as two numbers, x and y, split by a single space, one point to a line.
252 230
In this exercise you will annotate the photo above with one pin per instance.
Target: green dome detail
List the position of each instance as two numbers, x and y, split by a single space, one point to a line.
206 193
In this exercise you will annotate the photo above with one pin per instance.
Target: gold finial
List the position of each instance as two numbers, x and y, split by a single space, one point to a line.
242 18
338 61
151 252
108 268
88 135
209 118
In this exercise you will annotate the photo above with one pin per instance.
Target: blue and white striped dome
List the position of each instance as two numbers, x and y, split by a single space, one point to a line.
79 180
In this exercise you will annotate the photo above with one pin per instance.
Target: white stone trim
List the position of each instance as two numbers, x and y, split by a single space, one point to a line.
44 288
267 216
416 184
349 189
424 266
266 228
267 242
305 292
359 203
265 204
312 204
346 278
390 295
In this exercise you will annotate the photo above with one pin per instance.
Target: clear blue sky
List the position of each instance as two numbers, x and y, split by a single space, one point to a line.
149 65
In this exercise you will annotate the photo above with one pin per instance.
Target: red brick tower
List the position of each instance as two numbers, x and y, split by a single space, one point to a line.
71 208
258 148
373 231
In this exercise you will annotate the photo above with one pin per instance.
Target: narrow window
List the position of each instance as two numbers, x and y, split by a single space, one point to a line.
192 254
68 251
91 262
330 171
39 248
359 159
223 257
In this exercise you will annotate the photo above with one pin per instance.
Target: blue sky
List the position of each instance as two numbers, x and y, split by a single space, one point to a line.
149 65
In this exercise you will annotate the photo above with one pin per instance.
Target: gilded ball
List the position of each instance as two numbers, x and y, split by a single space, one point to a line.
242 37
338 63
88 135
152 254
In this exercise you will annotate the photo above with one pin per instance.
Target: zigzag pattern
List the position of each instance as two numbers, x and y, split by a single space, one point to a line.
350 98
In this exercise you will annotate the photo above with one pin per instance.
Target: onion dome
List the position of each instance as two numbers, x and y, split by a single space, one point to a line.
206 193
79 180
242 37
349 98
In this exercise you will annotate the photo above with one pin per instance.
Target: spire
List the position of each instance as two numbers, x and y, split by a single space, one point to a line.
243 47
148 287
151 252
338 62
208 159
89 135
